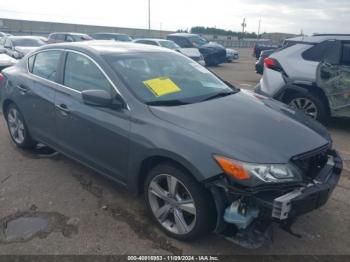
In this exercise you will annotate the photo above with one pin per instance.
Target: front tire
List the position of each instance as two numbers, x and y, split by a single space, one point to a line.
18 129
178 203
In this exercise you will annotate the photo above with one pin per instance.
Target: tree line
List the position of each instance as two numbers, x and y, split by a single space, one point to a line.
218 31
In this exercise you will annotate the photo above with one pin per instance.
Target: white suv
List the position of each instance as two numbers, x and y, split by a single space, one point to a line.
290 74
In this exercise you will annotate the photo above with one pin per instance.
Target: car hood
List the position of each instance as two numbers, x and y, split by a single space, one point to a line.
231 51
251 127
25 49
190 52
6 60
213 47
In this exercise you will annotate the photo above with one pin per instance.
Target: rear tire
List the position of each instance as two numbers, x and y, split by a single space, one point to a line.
197 216
18 128
310 104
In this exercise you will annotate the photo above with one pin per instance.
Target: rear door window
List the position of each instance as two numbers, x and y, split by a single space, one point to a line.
46 64
8 43
345 57
318 51
2 41
147 42
81 73
69 38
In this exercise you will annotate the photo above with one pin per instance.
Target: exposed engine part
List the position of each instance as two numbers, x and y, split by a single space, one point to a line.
241 214
282 205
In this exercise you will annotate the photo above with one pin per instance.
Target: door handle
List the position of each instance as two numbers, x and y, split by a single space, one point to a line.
63 108
22 88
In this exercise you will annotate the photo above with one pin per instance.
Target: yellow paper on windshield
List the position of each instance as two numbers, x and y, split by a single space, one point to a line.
162 86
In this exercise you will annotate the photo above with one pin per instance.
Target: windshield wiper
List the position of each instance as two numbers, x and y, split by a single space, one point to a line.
167 103
221 94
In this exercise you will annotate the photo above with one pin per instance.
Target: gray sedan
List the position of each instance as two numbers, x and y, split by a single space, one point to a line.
206 155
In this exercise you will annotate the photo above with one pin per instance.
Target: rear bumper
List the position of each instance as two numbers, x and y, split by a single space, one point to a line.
214 57
272 82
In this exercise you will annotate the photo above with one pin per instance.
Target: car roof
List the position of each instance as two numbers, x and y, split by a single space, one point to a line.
24 37
183 34
107 33
154 39
106 47
66 33
319 38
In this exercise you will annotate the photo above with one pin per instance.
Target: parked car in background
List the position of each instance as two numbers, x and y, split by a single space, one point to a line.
206 155
259 65
333 77
231 55
67 37
2 34
112 36
290 75
5 60
259 47
19 46
192 53
214 54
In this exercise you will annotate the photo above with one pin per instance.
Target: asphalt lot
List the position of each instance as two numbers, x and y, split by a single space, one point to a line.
79 212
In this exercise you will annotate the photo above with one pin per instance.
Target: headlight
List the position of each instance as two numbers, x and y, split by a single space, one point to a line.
259 173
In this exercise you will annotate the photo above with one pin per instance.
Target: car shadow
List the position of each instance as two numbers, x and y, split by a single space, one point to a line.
339 123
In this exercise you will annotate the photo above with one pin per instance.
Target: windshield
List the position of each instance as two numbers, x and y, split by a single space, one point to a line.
198 41
27 42
82 37
123 38
167 78
169 44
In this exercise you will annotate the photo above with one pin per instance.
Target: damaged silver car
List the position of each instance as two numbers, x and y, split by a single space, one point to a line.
206 156
311 74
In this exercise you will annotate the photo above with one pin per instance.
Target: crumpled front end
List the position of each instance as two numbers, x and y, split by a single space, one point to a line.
246 214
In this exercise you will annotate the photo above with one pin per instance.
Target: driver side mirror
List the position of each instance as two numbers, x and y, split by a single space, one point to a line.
102 98
97 98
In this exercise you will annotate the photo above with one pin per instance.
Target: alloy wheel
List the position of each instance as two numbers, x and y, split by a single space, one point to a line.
172 204
306 105
16 126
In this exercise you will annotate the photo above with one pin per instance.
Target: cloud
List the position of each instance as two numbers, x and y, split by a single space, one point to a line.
276 15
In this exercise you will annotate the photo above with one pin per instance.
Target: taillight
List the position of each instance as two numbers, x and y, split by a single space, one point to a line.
272 64
2 78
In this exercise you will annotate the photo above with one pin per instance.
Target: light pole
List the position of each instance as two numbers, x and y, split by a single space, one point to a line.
149 15
259 28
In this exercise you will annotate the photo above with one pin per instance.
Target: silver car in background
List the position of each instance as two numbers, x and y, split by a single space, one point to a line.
192 53
18 46
290 74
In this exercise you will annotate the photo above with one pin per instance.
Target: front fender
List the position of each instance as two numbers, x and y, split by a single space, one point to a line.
135 168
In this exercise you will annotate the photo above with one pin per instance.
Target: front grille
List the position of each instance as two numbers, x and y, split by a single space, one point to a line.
312 163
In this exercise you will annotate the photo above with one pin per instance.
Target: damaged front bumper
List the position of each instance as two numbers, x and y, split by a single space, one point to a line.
245 215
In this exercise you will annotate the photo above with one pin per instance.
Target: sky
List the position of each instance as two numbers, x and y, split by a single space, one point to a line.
288 16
